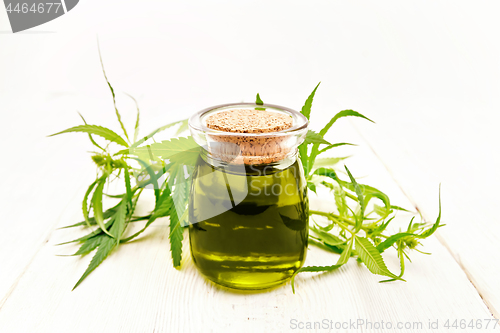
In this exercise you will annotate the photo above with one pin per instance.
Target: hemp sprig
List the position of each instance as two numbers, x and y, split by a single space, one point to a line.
356 227
136 172
353 229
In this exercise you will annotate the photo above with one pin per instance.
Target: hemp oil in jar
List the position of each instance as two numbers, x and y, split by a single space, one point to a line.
248 208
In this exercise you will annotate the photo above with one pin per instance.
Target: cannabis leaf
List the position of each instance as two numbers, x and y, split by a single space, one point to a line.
90 245
183 125
372 258
361 199
113 94
105 247
90 135
341 114
119 224
313 269
306 109
357 226
175 238
328 238
328 161
97 203
313 137
97 130
136 128
258 101
346 254
84 204
184 150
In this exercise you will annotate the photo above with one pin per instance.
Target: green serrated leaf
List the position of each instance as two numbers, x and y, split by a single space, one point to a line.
361 199
313 137
306 109
175 238
136 128
180 194
394 238
340 200
313 269
152 176
258 100
381 211
326 247
106 246
164 205
327 237
317 268
162 208
315 152
183 123
97 205
115 196
370 192
436 225
182 150
315 148
90 245
184 220
304 158
327 228
328 161
119 224
107 214
327 172
127 185
103 132
401 256
411 225
346 254
311 186
341 114
183 127
391 240
85 205
400 208
371 258
96 232
379 229
90 135
334 145
118 116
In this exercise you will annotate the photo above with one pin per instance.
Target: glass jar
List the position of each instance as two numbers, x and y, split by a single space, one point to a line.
248 206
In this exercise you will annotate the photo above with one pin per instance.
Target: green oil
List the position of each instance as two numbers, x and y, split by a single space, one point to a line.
248 224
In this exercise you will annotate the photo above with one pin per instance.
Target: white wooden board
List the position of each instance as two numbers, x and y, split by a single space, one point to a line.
137 289
426 72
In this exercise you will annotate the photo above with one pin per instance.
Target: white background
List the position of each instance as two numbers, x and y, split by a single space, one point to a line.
427 72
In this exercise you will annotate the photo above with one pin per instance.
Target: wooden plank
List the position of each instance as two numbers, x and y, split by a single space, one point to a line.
382 62
38 172
137 289
467 166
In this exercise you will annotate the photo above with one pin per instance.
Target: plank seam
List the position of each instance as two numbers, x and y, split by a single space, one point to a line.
441 240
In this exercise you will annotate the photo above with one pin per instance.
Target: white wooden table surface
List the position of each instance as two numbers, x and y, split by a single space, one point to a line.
427 73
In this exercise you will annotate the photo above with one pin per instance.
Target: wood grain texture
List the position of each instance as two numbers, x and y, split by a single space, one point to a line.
38 172
426 72
467 166
137 290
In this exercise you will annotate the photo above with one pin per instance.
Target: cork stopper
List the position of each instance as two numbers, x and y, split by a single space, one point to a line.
249 121
254 149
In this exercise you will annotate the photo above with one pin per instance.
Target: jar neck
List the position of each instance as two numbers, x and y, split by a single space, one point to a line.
236 165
